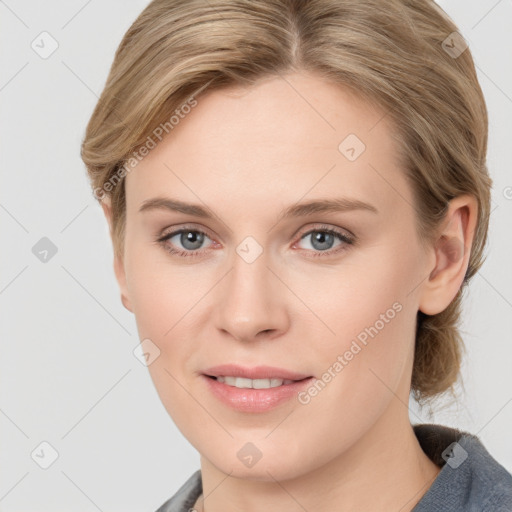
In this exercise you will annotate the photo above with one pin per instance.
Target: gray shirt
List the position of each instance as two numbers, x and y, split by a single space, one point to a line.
470 480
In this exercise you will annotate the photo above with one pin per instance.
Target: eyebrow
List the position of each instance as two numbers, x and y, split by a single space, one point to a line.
340 204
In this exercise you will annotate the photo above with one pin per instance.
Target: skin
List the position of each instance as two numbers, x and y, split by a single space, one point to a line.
247 154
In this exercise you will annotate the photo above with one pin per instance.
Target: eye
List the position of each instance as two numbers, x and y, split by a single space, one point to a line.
190 239
323 238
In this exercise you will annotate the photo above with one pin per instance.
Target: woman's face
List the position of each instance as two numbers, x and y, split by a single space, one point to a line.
261 288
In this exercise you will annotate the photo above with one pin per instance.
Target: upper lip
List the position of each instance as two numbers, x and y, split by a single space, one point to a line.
255 372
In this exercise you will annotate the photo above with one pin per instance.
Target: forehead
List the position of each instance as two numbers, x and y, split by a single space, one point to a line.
282 139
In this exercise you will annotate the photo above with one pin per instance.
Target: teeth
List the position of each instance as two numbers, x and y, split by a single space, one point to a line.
241 382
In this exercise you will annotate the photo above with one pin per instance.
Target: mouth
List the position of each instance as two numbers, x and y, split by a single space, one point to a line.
256 389
256 377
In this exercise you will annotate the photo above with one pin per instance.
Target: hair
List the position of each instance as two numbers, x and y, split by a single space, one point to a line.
389 52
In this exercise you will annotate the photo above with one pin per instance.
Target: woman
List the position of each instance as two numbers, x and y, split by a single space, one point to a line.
297 195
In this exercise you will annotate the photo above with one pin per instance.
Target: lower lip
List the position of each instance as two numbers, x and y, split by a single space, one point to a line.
255 400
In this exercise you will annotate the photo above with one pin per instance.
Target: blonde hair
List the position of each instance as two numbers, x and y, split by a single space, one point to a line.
389 52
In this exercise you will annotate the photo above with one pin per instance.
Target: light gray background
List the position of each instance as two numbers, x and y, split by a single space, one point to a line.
68 374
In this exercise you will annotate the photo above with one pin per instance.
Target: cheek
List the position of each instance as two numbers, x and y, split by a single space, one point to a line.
371 314
357 294
168 303
160 292
164 300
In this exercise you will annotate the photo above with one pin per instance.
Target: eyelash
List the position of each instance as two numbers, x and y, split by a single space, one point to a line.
347 241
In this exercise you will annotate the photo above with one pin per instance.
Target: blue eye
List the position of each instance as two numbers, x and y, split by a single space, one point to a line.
322 239
190 239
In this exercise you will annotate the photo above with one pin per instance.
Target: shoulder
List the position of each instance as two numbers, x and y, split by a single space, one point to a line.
185 496
470 478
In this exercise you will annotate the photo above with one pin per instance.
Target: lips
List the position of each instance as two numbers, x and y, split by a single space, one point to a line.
248 400
254 373
245 389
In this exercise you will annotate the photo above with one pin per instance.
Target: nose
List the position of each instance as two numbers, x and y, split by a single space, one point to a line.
252 302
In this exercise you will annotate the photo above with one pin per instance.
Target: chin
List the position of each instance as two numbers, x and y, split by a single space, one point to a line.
269 470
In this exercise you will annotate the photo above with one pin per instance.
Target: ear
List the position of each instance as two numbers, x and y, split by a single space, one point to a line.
451 252
119 269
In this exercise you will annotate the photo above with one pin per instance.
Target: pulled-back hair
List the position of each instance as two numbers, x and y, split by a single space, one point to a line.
403 55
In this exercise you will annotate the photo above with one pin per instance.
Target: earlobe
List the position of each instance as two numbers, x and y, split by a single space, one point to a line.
121 279
452 250
119 269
